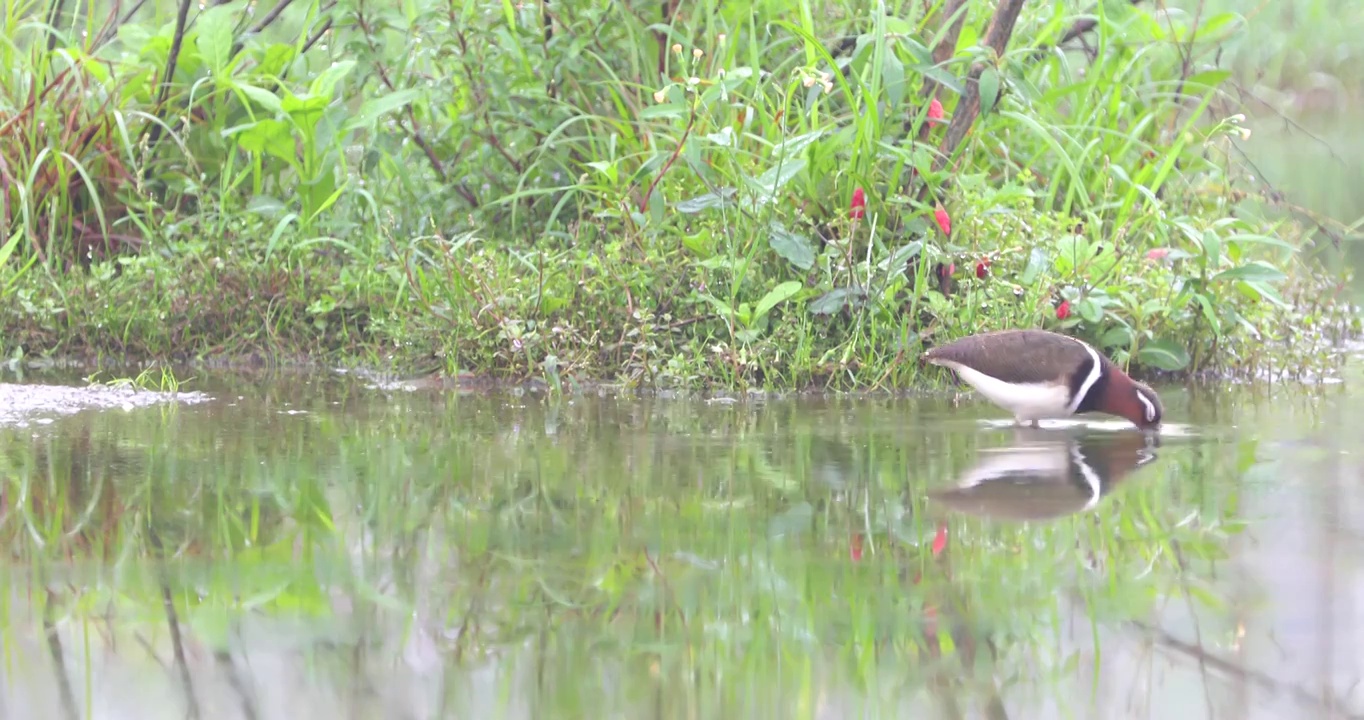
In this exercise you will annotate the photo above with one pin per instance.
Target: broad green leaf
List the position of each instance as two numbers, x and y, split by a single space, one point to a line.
723 138
324 85
796 145
1255 271
691 206
720 305
657 206
777 177
1037 262
305 110
1208 78
795 248
776 296
374 108
1164 354
1090 310
668 110
215 36
989 90
1212 248
7 249
893 78
271 137
276 58
1215 25
834 300
262 97
1117 336
1260 291
1209 313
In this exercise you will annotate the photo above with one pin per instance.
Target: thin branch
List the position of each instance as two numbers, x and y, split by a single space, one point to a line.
955 13
181 18
997 39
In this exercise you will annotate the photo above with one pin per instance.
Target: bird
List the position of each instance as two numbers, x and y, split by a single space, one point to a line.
1047 476
1039 374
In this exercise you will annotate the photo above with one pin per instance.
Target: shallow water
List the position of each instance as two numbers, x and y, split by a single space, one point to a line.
302 547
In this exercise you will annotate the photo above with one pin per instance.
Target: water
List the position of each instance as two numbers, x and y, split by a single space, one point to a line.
310 546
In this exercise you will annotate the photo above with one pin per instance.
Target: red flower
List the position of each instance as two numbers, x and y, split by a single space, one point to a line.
1157 254
1063 310
855 550
934 110
940 539
944 222
859 204
983 267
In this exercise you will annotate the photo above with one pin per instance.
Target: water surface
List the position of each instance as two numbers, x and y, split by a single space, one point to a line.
313 546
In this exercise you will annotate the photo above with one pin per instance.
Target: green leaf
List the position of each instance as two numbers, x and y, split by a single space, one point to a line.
1209 79
215 36
306 110
796 145
1090 310
1037 262
656 206
1209 313
774 297
276 58
1164 354
271 137
795 248
721 198
989 90
777 177
723 138
1117 336
1256 271
893 74
8 248
324 85
1212 248
374 108
834 300
667 110
720 305
262 97
1263 291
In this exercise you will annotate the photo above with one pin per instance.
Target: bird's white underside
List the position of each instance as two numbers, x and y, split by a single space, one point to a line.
1049 461
1030 402
1027 401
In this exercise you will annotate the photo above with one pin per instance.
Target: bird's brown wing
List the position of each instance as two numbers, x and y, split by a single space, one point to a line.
1017 356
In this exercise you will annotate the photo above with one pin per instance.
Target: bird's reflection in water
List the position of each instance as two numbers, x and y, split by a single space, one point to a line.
1047 474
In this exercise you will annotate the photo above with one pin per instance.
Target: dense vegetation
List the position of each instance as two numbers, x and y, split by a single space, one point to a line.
656 192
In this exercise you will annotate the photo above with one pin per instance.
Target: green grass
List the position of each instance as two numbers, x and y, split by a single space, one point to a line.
520 192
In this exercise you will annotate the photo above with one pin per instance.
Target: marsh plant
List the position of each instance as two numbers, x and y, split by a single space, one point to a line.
659 193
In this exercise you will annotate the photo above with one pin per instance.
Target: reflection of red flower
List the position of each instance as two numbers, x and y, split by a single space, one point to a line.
856 549
934 111
983 267
1063 310
859 205
943 220
940 539
1157 254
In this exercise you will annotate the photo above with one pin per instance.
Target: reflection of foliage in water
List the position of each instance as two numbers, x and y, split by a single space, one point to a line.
626 548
